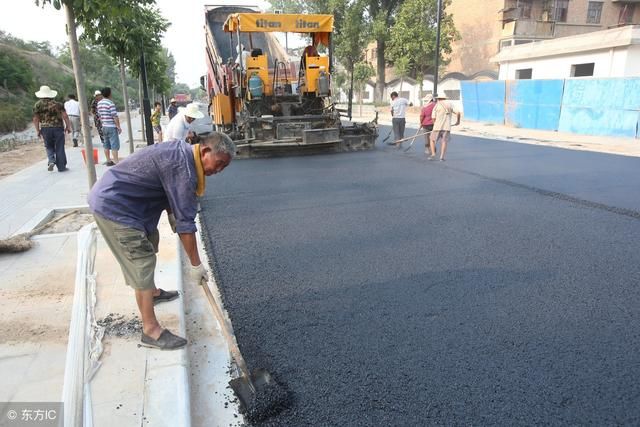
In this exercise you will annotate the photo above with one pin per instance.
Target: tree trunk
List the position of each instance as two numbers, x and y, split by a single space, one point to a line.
144 135
82 97
127 110
380 71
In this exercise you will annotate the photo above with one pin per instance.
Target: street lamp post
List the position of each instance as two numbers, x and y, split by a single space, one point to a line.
146 105
435 74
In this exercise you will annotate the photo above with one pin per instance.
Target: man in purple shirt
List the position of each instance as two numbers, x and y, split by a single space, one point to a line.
127 203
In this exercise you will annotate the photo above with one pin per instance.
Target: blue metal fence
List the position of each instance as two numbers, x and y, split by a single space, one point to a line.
534 104
484 101
601 107
609 107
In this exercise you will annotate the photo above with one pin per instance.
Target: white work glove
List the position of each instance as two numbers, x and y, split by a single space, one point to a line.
197 273
172 222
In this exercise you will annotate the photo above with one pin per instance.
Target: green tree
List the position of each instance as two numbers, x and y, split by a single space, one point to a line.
412 45
137 26
362 72
15 72
381 14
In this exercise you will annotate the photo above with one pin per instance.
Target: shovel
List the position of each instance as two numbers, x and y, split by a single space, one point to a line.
247 385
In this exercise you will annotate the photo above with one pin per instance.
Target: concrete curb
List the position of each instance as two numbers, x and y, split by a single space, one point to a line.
166 391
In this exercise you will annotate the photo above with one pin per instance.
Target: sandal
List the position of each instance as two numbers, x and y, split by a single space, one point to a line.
166 341
165 296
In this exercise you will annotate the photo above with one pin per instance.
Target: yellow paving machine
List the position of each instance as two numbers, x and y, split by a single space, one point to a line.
267 101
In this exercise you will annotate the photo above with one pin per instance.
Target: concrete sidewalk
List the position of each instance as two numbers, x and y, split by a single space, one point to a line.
134 386
566 140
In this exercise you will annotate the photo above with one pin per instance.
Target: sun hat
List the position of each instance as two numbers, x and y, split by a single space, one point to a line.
191 110
96 93
46 92
441 96
172 100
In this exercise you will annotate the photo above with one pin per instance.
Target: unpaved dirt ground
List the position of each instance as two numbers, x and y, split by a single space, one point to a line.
22 155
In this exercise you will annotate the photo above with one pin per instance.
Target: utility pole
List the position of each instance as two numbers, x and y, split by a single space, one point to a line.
435 74
145 100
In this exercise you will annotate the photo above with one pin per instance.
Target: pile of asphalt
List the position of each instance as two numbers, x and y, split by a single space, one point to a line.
117 325
382 289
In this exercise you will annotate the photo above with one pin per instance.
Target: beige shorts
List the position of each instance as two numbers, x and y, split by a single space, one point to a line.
134 250
443 135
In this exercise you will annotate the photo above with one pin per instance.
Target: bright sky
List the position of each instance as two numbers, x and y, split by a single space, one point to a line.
184 38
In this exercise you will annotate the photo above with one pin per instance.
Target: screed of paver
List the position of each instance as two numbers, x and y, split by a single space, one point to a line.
384 290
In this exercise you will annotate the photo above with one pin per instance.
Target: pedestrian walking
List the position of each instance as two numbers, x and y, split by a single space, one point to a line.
155 120
441 114
97 96
127 203
51 121
173 108
426 124
398 111
179 128
110 127
72 108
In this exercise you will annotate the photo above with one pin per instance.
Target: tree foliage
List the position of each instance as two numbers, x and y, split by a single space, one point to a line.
15 72
362 72
412 43
350 36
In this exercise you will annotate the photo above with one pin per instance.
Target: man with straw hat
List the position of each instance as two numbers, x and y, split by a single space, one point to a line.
441 115
179 128
51 122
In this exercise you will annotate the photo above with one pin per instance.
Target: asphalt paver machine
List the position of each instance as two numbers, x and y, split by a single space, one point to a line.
269 103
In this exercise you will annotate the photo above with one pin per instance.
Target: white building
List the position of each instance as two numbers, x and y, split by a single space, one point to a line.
406 87
608 53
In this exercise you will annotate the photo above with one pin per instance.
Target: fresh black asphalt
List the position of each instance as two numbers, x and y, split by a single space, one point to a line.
501 287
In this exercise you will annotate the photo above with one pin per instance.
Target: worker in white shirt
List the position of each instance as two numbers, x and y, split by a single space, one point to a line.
72 108
243 54
398 111
179 128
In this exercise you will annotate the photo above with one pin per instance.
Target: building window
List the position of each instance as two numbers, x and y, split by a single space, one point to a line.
519 42
582 70
626 14
505 43
525 8
524 74
562 7
594 13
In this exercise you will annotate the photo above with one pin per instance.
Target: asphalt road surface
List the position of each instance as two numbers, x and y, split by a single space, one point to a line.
499 287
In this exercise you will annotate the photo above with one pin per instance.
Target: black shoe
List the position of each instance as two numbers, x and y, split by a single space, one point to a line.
165 296
50 167
110 163
166 341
